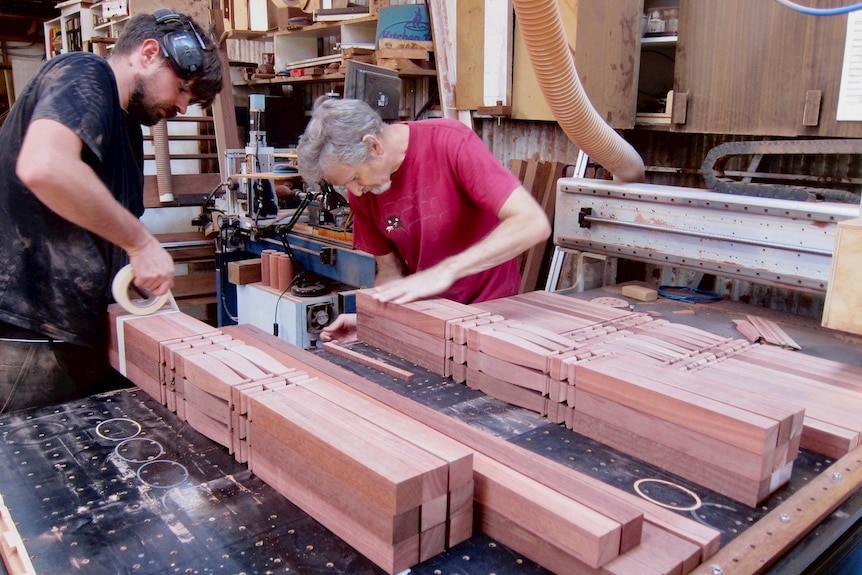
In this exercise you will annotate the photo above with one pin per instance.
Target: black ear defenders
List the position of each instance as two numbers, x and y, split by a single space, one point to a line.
183 48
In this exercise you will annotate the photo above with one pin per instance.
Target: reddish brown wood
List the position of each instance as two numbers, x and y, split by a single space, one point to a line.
579 531
362 359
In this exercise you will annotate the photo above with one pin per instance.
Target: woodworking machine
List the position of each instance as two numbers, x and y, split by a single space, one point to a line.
786 243
249 213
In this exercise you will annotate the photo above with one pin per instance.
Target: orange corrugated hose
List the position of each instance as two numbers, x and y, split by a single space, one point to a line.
542 27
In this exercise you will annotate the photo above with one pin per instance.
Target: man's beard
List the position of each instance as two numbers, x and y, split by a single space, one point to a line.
380 188
142 110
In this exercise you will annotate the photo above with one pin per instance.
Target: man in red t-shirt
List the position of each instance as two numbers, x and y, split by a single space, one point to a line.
438 211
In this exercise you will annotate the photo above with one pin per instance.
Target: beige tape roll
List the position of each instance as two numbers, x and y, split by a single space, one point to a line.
120 289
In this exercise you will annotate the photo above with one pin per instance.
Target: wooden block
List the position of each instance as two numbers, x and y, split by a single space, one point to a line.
244 272
334 488
640 292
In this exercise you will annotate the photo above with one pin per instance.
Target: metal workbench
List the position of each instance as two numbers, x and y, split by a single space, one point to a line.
116 483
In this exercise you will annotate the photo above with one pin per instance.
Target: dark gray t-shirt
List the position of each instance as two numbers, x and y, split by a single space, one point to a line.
55 276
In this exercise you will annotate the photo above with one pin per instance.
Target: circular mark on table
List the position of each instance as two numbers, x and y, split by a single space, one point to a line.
118 429
162 473
35 432
139 450
668 489
610 301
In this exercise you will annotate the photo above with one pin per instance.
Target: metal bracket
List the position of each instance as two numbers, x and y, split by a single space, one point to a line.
583 217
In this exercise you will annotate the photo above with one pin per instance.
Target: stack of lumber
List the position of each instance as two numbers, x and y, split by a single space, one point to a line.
397 481
635 383
558 517
136 346
831 392
420 331
394 489
731 440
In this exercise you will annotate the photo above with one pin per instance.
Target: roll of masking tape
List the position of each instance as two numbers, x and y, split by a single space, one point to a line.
120 289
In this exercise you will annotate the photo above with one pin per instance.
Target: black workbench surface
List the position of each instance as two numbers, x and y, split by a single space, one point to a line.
117 484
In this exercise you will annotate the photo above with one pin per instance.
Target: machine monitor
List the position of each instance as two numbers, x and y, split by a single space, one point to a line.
378 87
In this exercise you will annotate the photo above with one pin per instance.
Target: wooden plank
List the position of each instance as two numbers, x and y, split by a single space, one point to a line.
843 307
583 533
718 478
505 391
15 556
660 552
545 192
697 446
458 457
514 374
532 546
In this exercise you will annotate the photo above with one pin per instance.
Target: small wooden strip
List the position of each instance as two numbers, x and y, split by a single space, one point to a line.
363 359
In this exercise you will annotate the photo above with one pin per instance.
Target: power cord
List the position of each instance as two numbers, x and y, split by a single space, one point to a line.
697 295
284 291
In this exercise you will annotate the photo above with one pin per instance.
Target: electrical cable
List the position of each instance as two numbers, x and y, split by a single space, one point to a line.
820 11
284 291
697 295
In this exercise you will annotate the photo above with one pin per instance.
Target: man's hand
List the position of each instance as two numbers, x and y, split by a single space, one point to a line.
420 285
153 268
342 330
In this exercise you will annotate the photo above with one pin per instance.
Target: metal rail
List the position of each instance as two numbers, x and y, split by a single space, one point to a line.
787 243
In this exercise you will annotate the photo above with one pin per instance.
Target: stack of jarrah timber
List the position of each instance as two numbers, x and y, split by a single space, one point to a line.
137 346
556 516
420 331
732 440
831 392
394 479
624 379
392 488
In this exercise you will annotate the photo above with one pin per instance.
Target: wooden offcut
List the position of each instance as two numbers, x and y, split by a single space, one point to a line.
244 271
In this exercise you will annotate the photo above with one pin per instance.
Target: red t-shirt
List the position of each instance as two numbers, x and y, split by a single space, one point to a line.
444 198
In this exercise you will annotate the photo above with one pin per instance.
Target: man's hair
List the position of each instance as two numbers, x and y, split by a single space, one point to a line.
205 84
334 136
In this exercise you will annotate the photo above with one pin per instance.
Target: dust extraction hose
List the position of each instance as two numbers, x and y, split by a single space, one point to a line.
542 27
163 161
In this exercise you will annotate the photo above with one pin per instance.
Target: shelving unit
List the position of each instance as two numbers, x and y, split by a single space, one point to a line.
74 27
655 81
109 17
657 61
309 62
85 26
